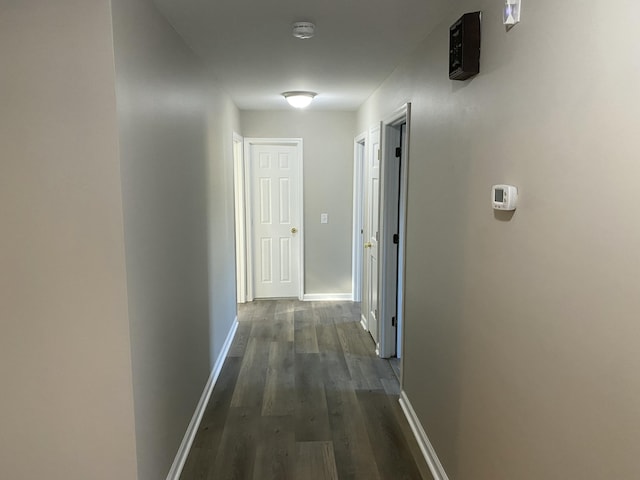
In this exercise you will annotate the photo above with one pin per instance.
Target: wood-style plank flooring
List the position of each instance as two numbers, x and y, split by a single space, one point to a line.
302 396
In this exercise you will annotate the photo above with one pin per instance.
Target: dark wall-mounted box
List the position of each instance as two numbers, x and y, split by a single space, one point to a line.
464 47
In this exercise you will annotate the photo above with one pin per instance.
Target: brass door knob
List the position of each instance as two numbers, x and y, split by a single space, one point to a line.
294 230
367 245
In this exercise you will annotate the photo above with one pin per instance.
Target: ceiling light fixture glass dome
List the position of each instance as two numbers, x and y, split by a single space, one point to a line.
299 99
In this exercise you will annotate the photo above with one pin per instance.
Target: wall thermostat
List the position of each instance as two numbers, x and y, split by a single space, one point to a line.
504 197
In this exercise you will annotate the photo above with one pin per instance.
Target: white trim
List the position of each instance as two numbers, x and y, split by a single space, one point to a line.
326 297
192 429
359 156
247 222
240 221
430 456
363 322
402 246
388 254
292 142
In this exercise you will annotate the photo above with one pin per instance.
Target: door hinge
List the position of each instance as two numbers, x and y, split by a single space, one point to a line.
398 152
379 154
393 321
396 238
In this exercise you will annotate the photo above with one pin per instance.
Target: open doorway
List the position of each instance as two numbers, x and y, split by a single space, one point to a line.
382 188
393 205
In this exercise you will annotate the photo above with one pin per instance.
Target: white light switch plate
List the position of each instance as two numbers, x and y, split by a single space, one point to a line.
324 218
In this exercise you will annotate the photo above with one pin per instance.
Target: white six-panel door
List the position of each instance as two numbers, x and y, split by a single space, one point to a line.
275 220
371 228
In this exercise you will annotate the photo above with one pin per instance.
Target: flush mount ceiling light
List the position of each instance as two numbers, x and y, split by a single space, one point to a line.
299 99
303 30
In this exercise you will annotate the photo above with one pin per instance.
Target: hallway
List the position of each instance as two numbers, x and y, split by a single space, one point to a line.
303 396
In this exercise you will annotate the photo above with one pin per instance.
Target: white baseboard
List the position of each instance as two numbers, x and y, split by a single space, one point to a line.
327 297
437 470
190 435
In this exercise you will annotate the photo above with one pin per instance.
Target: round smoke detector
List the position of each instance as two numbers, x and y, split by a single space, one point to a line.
303 29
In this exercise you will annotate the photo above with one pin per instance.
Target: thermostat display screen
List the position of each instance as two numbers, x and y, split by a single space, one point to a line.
499 195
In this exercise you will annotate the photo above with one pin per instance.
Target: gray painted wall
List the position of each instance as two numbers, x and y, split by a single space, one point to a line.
176 180
328 188
66 407
223 120
521 343
117 291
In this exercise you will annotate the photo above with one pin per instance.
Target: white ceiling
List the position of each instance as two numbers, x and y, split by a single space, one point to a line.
252 55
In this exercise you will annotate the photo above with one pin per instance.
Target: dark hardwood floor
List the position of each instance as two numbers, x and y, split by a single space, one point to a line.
302 396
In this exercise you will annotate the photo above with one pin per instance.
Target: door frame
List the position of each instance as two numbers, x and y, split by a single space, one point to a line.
359 156
391 282
288 142
239 212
